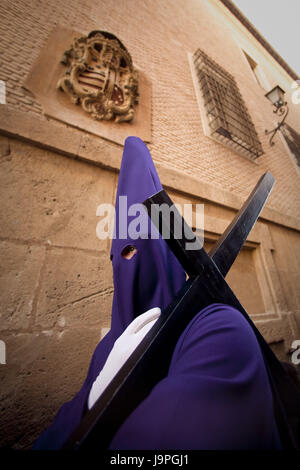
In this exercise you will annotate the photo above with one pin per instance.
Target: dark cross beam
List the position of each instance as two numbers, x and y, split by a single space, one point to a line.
206 285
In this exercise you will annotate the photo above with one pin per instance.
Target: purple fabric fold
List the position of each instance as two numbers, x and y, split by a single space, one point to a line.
216 394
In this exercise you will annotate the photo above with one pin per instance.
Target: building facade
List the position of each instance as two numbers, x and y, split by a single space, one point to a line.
58 163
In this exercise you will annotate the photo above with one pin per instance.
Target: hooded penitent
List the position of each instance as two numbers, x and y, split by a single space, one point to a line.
216 394
150 279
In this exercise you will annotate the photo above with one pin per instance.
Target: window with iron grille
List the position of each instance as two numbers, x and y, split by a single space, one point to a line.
292 138
228 118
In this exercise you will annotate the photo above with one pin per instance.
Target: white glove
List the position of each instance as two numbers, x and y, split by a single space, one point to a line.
122 349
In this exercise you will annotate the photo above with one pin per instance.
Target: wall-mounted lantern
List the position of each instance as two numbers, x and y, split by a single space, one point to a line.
276 96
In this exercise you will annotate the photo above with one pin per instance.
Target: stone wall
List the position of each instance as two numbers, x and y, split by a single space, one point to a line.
159 34
56 282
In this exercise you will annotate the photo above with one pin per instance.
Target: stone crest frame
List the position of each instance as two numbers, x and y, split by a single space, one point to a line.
100 77
42 82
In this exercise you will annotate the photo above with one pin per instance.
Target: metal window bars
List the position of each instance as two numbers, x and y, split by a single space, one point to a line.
228 117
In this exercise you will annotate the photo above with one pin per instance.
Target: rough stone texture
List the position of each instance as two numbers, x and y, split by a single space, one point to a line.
45 197
20 267
29 392
4 150
75 290
243 281
55 282
286 257
281 329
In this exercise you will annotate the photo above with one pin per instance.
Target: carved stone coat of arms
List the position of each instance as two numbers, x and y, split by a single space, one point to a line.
100 77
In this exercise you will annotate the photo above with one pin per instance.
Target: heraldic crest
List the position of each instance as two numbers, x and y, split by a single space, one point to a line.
101 77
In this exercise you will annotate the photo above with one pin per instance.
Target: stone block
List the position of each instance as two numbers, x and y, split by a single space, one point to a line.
51 198
20 267
4 149
43 371
100 151
76 289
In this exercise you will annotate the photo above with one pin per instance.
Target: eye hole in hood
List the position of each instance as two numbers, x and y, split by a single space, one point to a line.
129 251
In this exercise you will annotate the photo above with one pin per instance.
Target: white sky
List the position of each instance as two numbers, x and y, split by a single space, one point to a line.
279 22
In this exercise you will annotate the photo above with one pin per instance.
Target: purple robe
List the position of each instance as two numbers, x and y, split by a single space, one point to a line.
216 393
